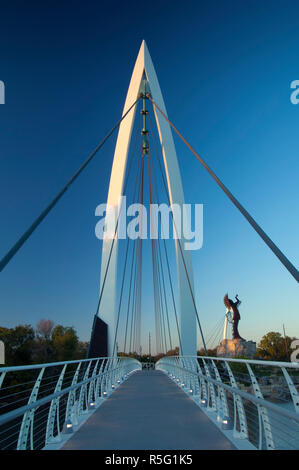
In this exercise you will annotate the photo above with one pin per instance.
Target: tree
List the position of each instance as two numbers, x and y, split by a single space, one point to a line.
18 343
173 352
211 352
65 343
44 329
42 348
274 347
82 350
24 346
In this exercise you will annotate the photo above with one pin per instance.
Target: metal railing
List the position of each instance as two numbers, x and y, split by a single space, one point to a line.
257 401
39 403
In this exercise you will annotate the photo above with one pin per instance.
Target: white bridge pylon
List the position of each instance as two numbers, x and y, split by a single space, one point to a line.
187 314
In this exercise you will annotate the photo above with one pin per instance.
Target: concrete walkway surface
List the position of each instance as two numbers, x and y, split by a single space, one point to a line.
149 412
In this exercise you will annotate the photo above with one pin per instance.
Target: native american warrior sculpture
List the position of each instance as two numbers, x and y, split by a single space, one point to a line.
233 307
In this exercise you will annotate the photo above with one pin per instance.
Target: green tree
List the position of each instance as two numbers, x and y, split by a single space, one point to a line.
18 343
211 352
65 343
274 347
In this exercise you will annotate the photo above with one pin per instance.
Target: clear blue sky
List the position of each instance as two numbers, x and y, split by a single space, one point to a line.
225 70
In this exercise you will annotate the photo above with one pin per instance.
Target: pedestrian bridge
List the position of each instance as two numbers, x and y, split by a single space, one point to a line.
184 403
148 411
111 402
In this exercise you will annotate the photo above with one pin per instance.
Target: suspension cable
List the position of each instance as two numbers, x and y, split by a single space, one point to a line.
131 275
133 309
139 269
184 264
129 298
214 330
111 248
125 265
160 266
161 300
11 253
164 292
136 284
168 267
109 257
283 259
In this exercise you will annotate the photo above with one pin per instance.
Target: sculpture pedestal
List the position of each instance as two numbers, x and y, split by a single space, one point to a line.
236 347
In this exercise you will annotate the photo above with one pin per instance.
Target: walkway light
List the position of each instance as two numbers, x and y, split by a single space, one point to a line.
191 391
67 427
203 402
104 394
183 385
91 405
118 381
113 386
226 423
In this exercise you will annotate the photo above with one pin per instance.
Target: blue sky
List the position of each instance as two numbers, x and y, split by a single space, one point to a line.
225 70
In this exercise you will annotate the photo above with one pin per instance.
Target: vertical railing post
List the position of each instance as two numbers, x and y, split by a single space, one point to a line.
108 376
238 407
83 392
71 413
196 382
264 422
293 391
54 412
222 400
203 386
98 395
27 421
105 385
2 376
211 389
91 391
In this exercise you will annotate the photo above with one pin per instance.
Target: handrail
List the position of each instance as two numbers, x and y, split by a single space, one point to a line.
213 381
85 388
248 396
49 364
292 365
42 401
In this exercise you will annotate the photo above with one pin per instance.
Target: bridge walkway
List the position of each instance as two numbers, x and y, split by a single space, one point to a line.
148 411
